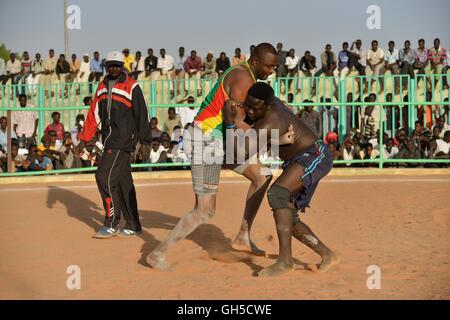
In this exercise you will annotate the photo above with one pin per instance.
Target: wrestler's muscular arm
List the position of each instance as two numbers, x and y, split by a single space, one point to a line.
236 84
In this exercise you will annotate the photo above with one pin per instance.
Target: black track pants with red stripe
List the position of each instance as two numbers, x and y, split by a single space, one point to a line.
116 187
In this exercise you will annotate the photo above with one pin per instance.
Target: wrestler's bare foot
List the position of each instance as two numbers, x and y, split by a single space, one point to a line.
276 269
243 243
328 261
158 262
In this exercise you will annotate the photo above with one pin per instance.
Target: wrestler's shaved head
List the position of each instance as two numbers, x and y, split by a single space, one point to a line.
263 60
262 49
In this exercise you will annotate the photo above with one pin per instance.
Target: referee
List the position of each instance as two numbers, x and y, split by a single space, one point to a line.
119 108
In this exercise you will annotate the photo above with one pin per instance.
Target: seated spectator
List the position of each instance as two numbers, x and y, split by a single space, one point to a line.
328 60
96 68
192 67
176 134
441 149
307 64
74 68
209 67
36 71
222 63
238 57
75 132
342 69
26 70
66 153
375 64
155 132
56 126
442 125
331 136
3 77
187 114
408 151
48 76
138 67
62 71
391 63
350 150
360 53
128 59
437 56
25 123
312 118
13 71
421 58
389 149
406 57
19 161
369 152
172 121
157 153
334 151
37 160
85 71
4 134
151 65
291 65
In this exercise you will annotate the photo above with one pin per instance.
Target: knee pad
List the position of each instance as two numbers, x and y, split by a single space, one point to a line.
278 197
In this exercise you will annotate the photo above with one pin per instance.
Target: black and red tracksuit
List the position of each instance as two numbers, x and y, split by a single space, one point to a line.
119 108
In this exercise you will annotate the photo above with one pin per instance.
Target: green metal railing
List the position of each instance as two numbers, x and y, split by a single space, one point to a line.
342 95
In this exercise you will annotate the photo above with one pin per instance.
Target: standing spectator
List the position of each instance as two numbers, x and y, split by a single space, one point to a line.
138 67
124 122
36 71
375 64
155 132
329 116
128 59
209 67
291 65
96 68
172 121
328 60
222 64
13 70
49 75
25 122
26 70
166 68
391 63
151 65
56 126
406 57
437 56
192 67
308 64
343 63
179 75
252 48
421 58
281 61
312 118
4 134
444 71
238 57
62 71
74 68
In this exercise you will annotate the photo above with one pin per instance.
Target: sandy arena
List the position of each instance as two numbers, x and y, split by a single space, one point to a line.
399 223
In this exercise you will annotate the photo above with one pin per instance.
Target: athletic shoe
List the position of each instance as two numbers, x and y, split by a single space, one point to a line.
106 232
128 233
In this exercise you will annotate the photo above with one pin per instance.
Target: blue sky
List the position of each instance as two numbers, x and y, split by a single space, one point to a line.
214 25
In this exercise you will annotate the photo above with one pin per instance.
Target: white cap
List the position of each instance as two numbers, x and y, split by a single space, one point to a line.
114 56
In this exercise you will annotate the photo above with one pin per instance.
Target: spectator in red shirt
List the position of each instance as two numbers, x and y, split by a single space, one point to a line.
192 67
56 126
